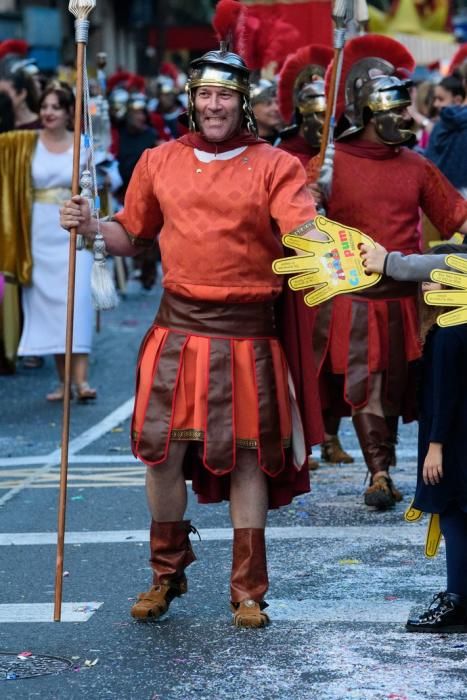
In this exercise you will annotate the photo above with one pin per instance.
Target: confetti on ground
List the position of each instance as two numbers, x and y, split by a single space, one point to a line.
89 664
347 562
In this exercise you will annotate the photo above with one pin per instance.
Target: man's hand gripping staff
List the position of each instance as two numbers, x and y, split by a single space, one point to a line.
330 266
456 296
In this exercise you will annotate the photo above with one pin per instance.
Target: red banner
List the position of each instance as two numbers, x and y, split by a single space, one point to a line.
311 18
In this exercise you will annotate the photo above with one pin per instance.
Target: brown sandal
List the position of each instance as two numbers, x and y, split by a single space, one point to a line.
84 392
249 613
154 603
333 452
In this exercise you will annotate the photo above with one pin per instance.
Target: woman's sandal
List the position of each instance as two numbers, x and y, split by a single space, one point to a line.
58 394
84 392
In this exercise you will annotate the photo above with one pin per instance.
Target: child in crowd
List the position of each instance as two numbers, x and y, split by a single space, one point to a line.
442 445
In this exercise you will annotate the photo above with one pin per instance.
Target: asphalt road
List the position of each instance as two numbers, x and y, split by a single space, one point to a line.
343 579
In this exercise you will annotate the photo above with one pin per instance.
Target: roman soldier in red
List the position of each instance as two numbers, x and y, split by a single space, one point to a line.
366 344
302 102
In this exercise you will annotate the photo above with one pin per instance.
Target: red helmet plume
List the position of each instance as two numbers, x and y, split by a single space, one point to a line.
311 55
17 47
225 20
118 78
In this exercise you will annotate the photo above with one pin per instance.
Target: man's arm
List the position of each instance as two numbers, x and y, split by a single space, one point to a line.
76 213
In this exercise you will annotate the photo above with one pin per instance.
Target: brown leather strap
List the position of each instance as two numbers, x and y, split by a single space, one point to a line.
154 439
388 288
321 333
396 375
252 320
270 449
357 377
219 443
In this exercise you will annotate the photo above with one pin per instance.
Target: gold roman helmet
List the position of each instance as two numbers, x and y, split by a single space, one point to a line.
262 91
220 68
372 87
371 84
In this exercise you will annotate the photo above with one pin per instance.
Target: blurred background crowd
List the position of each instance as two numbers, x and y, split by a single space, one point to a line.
138 62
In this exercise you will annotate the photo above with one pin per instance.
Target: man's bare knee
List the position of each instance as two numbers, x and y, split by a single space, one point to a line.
171 468
247 465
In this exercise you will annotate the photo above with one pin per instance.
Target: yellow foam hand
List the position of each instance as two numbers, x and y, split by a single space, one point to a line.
330 266
433 533
457 296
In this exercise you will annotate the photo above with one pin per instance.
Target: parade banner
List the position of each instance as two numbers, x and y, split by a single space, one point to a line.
331 266
312 18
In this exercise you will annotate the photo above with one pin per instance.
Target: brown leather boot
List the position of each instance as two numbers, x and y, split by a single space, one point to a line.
392 424
249 579
333 452
171 553
373 436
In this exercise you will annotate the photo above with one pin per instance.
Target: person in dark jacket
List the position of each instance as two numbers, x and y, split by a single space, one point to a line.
449 137
442 461
442 439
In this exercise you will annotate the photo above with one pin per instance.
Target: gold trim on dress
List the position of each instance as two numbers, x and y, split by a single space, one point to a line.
51 195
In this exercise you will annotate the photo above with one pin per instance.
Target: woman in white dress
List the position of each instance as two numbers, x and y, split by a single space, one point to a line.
45 301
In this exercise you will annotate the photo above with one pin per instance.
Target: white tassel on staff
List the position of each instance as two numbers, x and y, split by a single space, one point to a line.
104 294
103 289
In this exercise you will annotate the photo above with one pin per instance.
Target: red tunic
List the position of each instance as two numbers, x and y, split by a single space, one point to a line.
379 190
297 326
297 146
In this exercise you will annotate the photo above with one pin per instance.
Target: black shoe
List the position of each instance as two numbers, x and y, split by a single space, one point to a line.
447 612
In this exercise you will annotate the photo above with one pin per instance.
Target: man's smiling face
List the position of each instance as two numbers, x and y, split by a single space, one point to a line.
218 112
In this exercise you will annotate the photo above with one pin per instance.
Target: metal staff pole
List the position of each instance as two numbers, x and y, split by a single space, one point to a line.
81 10
343 13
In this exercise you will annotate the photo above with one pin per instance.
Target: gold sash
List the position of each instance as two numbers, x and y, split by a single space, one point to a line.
51 195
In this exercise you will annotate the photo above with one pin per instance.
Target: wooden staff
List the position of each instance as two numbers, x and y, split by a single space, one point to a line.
81 10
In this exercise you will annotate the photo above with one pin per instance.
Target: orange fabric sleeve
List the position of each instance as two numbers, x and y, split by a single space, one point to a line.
441 202
291 204
141 215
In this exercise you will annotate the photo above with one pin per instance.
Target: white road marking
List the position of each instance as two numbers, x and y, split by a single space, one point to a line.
409 457
105 426
50 461
78 477
356 610
43 612
73 459
402 534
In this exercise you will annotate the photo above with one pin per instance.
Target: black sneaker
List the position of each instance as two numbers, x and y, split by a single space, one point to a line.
447 612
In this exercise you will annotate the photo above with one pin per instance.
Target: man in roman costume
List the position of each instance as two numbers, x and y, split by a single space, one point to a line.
215 401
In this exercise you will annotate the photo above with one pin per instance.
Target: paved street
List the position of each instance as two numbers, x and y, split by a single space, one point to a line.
343 579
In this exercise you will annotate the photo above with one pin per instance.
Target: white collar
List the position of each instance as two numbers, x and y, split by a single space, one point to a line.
206 157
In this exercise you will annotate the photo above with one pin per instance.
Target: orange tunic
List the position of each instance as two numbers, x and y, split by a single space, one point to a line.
219 222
